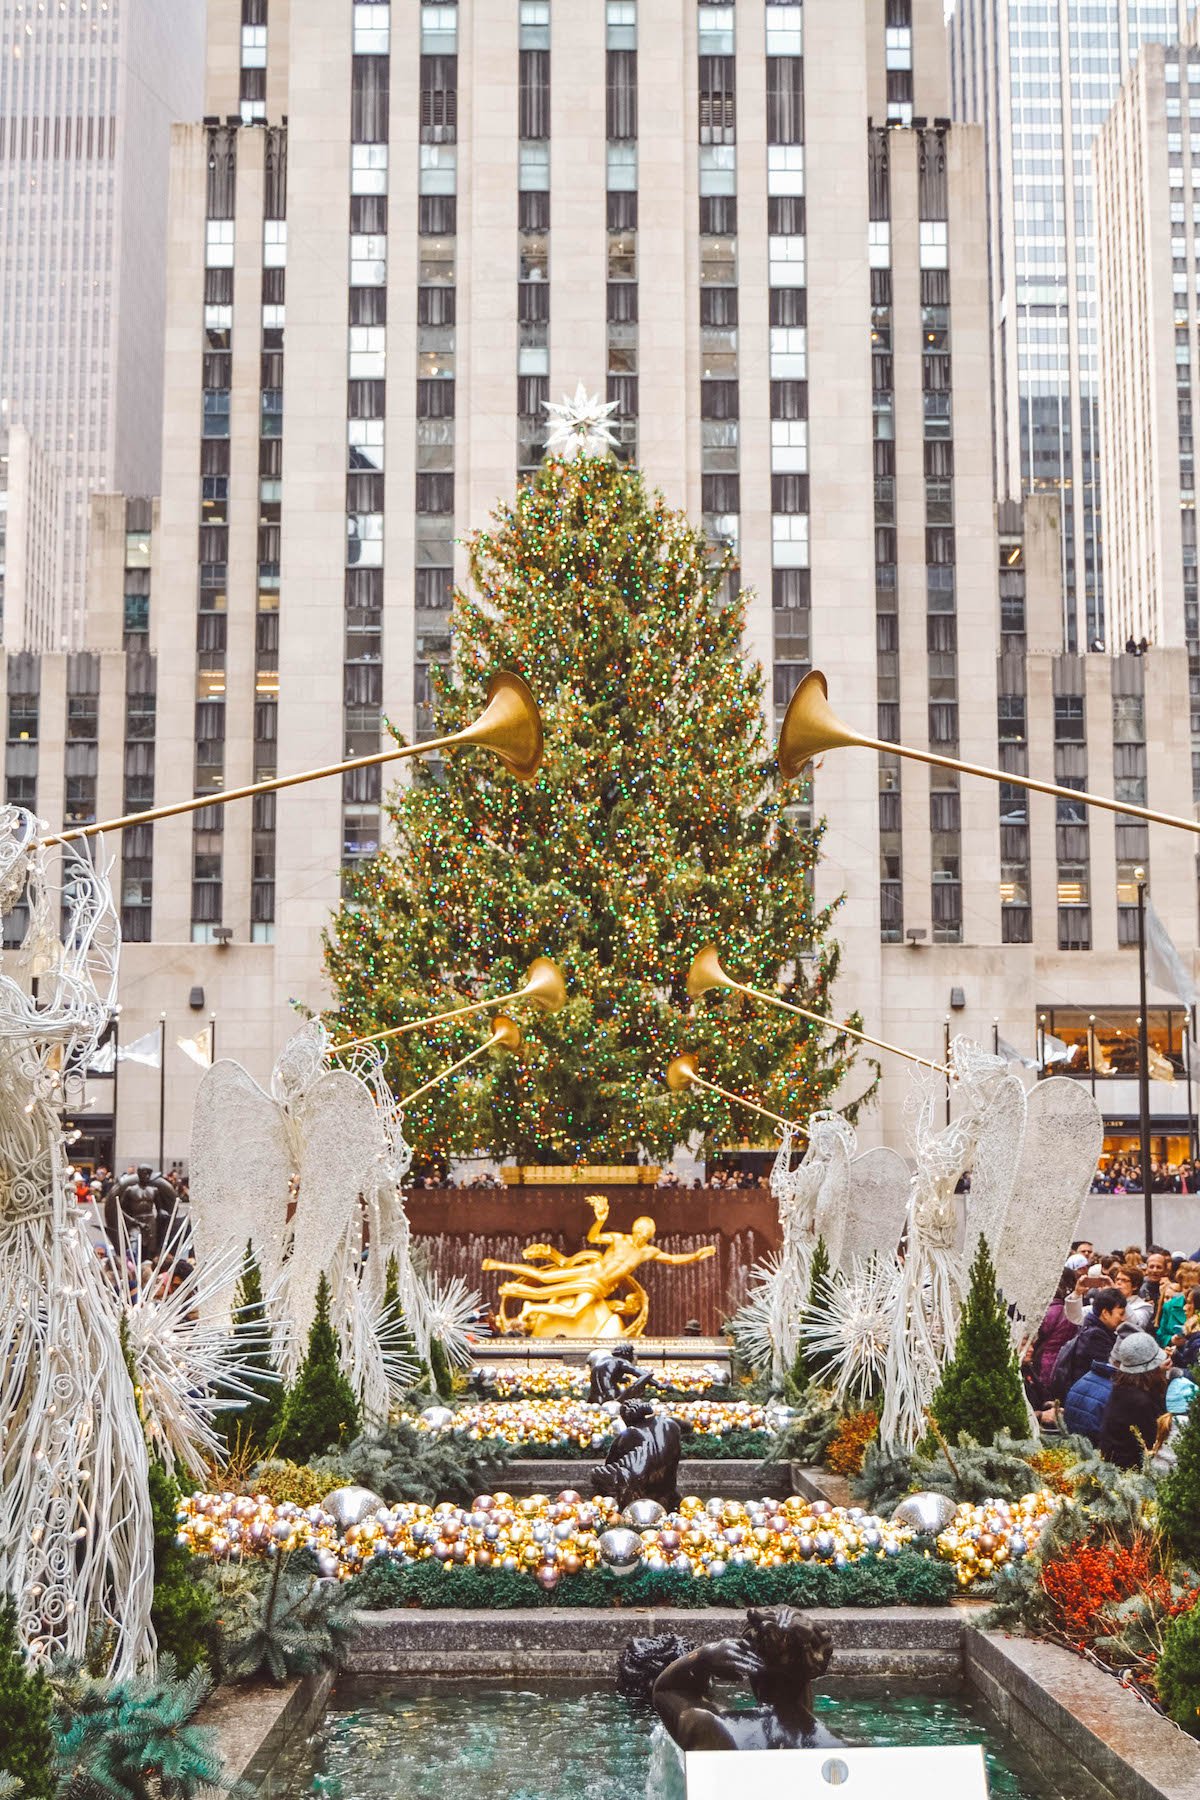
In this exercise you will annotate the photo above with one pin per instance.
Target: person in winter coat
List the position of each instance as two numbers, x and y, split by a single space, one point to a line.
1059 1326
1093 1342
1173 1310
1137 1403
1087 1402
1139 1313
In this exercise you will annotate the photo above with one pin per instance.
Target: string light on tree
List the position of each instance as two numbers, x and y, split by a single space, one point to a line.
656 824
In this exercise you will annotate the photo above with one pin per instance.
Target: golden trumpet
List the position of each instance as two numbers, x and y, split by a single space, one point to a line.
811 726
544 988
509 726
505 1035
682 1073
706 973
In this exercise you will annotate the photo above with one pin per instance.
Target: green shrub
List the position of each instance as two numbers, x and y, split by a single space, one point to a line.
26 1742
321 1409
807 1368
981 1393
181 1613
133 1738
1179 1671
403 1463
278 1619
255 1422
1179 1493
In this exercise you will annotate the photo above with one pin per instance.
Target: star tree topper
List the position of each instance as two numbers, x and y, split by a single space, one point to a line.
579 425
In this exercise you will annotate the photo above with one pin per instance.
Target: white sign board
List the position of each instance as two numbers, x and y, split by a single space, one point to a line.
934 1772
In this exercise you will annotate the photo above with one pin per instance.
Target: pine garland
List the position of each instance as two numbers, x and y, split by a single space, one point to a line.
656 824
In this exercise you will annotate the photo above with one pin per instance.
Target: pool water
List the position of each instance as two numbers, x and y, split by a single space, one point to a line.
486 1741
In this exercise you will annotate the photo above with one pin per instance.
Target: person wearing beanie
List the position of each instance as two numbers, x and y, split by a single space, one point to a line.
1137 1403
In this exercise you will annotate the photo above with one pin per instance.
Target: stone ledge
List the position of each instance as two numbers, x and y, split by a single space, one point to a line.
907 1642
260 1728
815 1483
1058 1704
734 1479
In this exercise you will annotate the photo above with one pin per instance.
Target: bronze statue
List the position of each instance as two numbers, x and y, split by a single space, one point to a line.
614 1375
778 1656
577 1296
643 1460
145 1202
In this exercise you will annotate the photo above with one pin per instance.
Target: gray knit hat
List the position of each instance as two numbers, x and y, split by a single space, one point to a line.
1138 1353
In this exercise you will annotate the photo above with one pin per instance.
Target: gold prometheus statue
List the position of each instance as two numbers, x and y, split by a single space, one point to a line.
590 1294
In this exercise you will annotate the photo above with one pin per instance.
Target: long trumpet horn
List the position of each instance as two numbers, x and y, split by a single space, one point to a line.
544 988
706 973
509 726
505 1035
682 1074
810 726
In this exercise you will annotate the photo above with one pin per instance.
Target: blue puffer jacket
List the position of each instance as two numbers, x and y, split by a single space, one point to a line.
1083 1411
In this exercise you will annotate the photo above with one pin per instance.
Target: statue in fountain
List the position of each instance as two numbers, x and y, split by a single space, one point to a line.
577 1296
643 1460
613 1374
778 1656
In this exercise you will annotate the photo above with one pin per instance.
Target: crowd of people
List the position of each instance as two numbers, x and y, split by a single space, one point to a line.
1117 1356
720 1175
1122 1176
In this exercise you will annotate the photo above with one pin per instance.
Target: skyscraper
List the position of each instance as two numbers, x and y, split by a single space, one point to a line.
88 92
1040 77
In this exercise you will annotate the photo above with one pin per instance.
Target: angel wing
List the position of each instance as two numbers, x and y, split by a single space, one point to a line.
339 1145
1063 1133
999 1136
241 1165
879 1188
833 1198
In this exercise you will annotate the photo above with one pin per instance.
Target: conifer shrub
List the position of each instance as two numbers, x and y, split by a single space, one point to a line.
26 1740
320 1411
981 1393
255 1422
182 1612
1179 1493
807 1367
1179 1671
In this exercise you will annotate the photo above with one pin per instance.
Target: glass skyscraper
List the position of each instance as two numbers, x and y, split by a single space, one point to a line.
1041 77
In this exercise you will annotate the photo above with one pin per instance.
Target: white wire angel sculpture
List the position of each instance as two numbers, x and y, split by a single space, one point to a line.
75 1530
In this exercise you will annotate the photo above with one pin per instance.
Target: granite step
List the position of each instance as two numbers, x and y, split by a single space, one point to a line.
732 1479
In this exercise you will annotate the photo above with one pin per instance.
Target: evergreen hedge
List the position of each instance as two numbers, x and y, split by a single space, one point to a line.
908 1579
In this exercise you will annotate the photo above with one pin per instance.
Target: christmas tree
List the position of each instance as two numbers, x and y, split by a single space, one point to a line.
656 824
320 1409
182 1610
26 1743
1179 1493
255 1421
981 1393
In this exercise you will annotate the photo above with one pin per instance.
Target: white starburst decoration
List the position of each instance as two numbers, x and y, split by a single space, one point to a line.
579 425
448 1309
848 1328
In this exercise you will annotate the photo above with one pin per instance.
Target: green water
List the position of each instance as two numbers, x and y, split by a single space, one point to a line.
485 1741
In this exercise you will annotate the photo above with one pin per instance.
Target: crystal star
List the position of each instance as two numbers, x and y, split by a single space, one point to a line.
579 425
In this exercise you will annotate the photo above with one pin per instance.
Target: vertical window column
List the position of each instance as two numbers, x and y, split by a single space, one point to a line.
898 61
788 300
137 843
1072 843
252 88
436 315
209 770
1129 777
887 627
21 761
719 399
945 813
533 229
621 200
270 468
1015 917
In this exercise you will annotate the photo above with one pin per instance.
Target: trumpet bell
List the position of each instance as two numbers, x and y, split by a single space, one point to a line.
510 726
682 1071
706 973
810 726
506 1033
544 986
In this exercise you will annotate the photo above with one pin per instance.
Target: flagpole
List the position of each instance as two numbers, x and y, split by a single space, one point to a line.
1144 1068
1189 1032
116 1044
162 1085
212 1039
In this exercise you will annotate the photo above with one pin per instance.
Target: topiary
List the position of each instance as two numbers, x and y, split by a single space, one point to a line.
26 1740
1179 1671
1179 1493
439 1369
181 1612
320 1409
256 1421
402 1345
806 1367
981 1393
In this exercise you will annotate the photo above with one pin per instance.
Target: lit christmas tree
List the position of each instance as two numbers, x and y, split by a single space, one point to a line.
656 824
